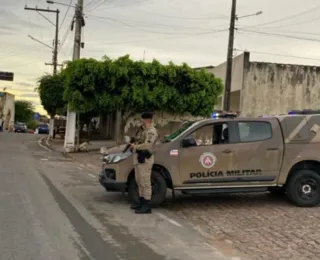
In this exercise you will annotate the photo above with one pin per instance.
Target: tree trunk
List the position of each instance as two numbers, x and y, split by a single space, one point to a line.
118 128
51 127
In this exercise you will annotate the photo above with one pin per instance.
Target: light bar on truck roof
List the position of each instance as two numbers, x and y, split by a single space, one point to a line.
304 112
223 114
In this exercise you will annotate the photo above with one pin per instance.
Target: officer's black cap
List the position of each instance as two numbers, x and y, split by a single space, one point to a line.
147 115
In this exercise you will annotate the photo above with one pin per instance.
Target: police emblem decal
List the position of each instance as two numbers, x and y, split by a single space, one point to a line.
208 160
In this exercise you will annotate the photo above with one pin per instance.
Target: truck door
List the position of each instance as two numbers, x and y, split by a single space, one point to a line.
258 151
208 160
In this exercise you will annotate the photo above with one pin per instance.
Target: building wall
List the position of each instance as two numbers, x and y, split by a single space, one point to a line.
165 123
237 80
271 88
7 109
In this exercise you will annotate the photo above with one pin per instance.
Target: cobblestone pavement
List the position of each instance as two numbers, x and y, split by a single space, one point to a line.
259 226
263 226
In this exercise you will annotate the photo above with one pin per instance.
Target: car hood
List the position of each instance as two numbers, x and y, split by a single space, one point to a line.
120 148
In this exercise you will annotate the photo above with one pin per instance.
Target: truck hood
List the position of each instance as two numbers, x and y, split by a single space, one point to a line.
120 148
115 149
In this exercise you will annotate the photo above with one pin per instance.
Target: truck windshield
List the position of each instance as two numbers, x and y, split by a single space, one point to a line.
179 131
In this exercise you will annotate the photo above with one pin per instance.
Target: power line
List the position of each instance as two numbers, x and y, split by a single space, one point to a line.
295 32
170 16
65 36
292 24
116 6
163 38
89 3
280 35
279 54
65 15
149 31
287 17
159 24
14 54
95 7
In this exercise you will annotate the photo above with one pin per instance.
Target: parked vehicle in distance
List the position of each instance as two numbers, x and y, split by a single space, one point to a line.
279 154
20 127
43 129
30 131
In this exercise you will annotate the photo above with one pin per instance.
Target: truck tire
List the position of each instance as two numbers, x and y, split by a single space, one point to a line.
159 189
303 188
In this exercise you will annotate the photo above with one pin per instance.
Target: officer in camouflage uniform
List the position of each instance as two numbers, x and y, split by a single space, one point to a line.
143 161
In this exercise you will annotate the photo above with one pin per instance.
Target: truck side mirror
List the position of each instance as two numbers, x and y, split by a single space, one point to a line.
188 142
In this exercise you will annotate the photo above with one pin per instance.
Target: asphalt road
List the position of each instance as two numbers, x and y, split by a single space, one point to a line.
36 220
54 208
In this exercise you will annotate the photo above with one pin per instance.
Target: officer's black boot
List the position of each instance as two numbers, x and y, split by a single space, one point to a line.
136 206
145 209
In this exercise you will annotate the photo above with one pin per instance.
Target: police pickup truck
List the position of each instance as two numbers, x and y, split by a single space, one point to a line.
230 155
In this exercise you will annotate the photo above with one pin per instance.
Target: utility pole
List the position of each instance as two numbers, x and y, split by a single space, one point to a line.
56 40
55 51
228 80
69 141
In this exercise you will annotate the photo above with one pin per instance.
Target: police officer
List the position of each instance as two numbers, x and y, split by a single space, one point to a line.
143 160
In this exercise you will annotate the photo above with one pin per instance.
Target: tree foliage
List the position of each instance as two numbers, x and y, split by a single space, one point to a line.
132 86
50 89
24 111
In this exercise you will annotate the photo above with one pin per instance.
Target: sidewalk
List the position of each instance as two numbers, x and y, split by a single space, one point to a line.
91 159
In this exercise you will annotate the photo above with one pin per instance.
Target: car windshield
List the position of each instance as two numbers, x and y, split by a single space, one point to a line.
20 124
43 126
179 131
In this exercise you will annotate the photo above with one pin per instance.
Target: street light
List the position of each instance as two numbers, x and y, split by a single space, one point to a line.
58 3
257 13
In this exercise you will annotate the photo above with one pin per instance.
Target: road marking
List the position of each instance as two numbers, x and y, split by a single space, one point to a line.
80 168
173 222
44 159
91 175
44 147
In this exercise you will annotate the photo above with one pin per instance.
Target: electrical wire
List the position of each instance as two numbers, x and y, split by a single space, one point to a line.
287 17
15 54
65 15
89 3
163 38
95 7
280 35
150 24
65 36
150 31
289 25
169 16
116 6
279 54
294 32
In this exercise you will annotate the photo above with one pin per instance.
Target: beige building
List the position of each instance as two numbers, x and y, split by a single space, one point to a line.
7 109
270 88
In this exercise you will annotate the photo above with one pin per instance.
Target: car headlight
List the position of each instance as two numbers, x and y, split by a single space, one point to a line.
114 158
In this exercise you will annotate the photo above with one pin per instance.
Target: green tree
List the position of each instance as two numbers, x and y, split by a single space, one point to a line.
24 111
131 86
50 89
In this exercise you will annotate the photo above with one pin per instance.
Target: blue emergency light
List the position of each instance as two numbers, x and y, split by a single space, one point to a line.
215 115
304 112
222 114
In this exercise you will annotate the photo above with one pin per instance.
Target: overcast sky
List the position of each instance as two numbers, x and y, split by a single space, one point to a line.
189 31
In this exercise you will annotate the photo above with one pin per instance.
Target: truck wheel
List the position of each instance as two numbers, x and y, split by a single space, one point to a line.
159 189
303 188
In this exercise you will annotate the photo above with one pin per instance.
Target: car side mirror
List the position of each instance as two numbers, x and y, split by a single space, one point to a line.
188 142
